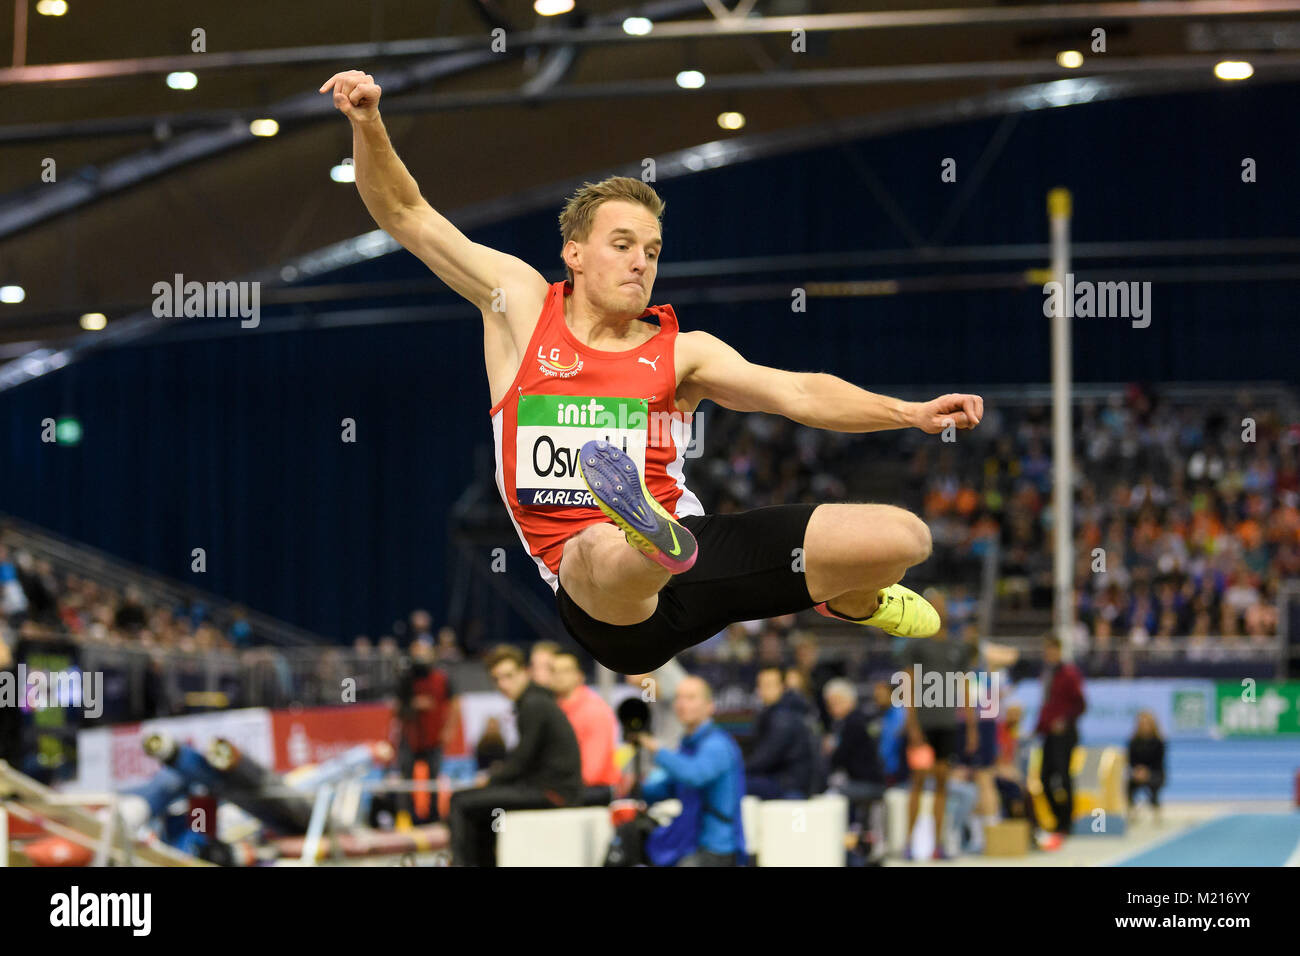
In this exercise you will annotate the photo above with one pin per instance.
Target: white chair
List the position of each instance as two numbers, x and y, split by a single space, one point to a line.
572 836
750 818
803 832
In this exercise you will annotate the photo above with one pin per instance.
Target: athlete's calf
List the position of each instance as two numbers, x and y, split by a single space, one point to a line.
852 551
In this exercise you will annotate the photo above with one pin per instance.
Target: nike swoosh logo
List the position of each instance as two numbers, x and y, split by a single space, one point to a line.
677 548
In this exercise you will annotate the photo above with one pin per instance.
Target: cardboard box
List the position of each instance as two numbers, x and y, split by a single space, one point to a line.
1008 838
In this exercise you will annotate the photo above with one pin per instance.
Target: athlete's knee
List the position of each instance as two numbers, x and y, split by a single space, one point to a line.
576 564
909 536
918 533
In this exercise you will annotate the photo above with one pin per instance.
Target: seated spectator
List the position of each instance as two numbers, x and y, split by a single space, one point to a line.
853 763
543 771
780 765
707 775
594 724
1146 762
851 750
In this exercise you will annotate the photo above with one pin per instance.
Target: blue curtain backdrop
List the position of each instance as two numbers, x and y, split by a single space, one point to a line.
233 443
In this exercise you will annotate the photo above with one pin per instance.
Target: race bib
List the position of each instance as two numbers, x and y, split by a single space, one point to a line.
550 432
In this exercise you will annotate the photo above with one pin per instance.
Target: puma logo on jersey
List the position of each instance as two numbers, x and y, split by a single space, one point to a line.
642 358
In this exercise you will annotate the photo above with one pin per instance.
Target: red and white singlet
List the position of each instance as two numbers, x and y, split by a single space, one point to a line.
565 394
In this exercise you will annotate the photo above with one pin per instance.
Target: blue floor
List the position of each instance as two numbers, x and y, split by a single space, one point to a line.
1242 839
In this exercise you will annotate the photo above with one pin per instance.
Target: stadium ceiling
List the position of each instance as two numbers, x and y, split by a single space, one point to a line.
150 181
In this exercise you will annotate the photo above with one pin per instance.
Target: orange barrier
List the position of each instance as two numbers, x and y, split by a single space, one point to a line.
422 799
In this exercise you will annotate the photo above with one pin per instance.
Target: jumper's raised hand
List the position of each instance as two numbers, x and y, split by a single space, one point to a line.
356 95
963 411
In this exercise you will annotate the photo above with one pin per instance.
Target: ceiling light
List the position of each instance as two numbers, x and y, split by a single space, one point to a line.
1234 70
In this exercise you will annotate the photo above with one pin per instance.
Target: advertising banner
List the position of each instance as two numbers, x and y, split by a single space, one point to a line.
1183 709
1249 708
313 734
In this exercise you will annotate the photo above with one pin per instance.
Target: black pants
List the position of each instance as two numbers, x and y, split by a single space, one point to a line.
474 814
750 566
1016 803
708 858
1154 781
773 788
1058 787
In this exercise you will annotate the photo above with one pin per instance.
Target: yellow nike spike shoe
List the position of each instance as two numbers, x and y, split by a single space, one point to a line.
902 612
619 490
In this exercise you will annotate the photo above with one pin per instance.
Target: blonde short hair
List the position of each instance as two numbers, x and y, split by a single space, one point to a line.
579 212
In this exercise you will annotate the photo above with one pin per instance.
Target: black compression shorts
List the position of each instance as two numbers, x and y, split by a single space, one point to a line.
750 566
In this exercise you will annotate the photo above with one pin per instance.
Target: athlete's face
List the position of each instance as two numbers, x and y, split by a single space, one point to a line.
620 258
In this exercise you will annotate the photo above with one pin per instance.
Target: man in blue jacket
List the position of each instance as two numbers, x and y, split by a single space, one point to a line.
780 764
706 773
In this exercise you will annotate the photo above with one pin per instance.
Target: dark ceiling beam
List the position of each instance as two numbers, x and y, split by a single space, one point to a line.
1277 67
544 88
493 17
607 31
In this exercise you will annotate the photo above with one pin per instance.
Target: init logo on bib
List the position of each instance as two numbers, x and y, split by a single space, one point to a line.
550 431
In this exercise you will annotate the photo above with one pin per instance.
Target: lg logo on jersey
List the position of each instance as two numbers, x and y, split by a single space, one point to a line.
554 367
